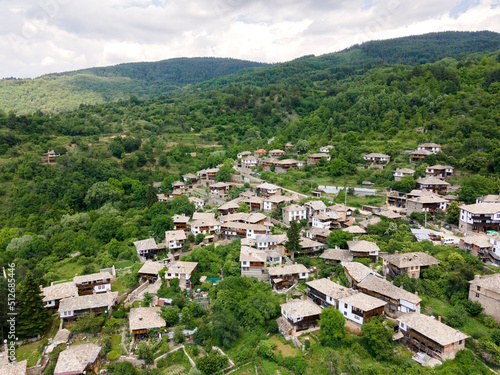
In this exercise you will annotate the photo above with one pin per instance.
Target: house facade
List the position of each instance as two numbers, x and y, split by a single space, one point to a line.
486 291
358 308
284 276
439 171
294 212
411 264
301 314
94 283
325 292
479 217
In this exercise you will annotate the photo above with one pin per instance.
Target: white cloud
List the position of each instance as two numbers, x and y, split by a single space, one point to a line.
57 35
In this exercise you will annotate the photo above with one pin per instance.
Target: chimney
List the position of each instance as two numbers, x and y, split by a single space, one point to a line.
439 318
396 252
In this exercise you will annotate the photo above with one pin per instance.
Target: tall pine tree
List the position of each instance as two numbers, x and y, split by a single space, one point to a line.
293 234
32 316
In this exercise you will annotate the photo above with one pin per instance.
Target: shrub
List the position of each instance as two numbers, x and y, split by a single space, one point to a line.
113 355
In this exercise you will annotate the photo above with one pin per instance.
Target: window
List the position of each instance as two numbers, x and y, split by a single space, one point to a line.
478 288
345 305
345 313
477 295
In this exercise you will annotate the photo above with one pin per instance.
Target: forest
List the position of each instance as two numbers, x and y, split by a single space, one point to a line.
84 212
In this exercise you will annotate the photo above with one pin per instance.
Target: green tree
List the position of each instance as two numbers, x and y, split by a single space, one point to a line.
105 228
170 314
378 339
225 171
405 185
151 197
100 193
453 213
332 327
32 316
147 299
293 235
178 334
160 224
212 363
146 352
225 329
339 238
88 322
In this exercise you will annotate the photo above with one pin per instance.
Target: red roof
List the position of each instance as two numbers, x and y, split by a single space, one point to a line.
261 151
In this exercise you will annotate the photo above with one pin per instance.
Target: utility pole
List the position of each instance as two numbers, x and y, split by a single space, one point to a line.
345 197
425 219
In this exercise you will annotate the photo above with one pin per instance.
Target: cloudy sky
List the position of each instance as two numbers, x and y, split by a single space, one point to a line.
44 36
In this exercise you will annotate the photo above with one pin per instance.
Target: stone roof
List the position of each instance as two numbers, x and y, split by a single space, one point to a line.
363 302
195 199
490 198
89 301
190 176
145 318
277 151
145 244
482 208
362 246
265 238
354 229
62 335
278 199
421 152
432 328
337 254
268 186
432 181
319 155
306 243
59 291
180 218
92 277
203 215
439 166
489 282
428 198
75 359
319 231
405 170
410 259
479 240
174 235
248 158
281 238
286 162
248 254
235 203
18 368
243 226
376 155
316 205
182 267
327 216
152 268
220 185
177 183
429 145
389 214
370 221
329 288
287 269
358 271
385 288
294 207
296 309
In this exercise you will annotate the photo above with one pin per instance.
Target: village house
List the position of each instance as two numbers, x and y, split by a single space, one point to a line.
370 221
326 220
71 308
243 154
491 198
79 359
486 291
376 158
479 217
204 223
284 276
478 245
398 299
301 314
260 152
421 333
429 202
396 199
267 163
249 162
229 207
175 239
178 185
293 212
198 202
276 153
157 186
314 208
432 147
253 263
180 222
358 308
419 155
433 184
243 217
410 263
363 249
99 282
325 149
254 203
182 271
283 166
336 256
271 203
289 146
315 158
318 234
310 247
325 292
220 188
495 250
266 242
266 190
344 212
150 270
234 229
190 179
357 272
399 173
146 248
439 171
162 197
143 320
53 294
